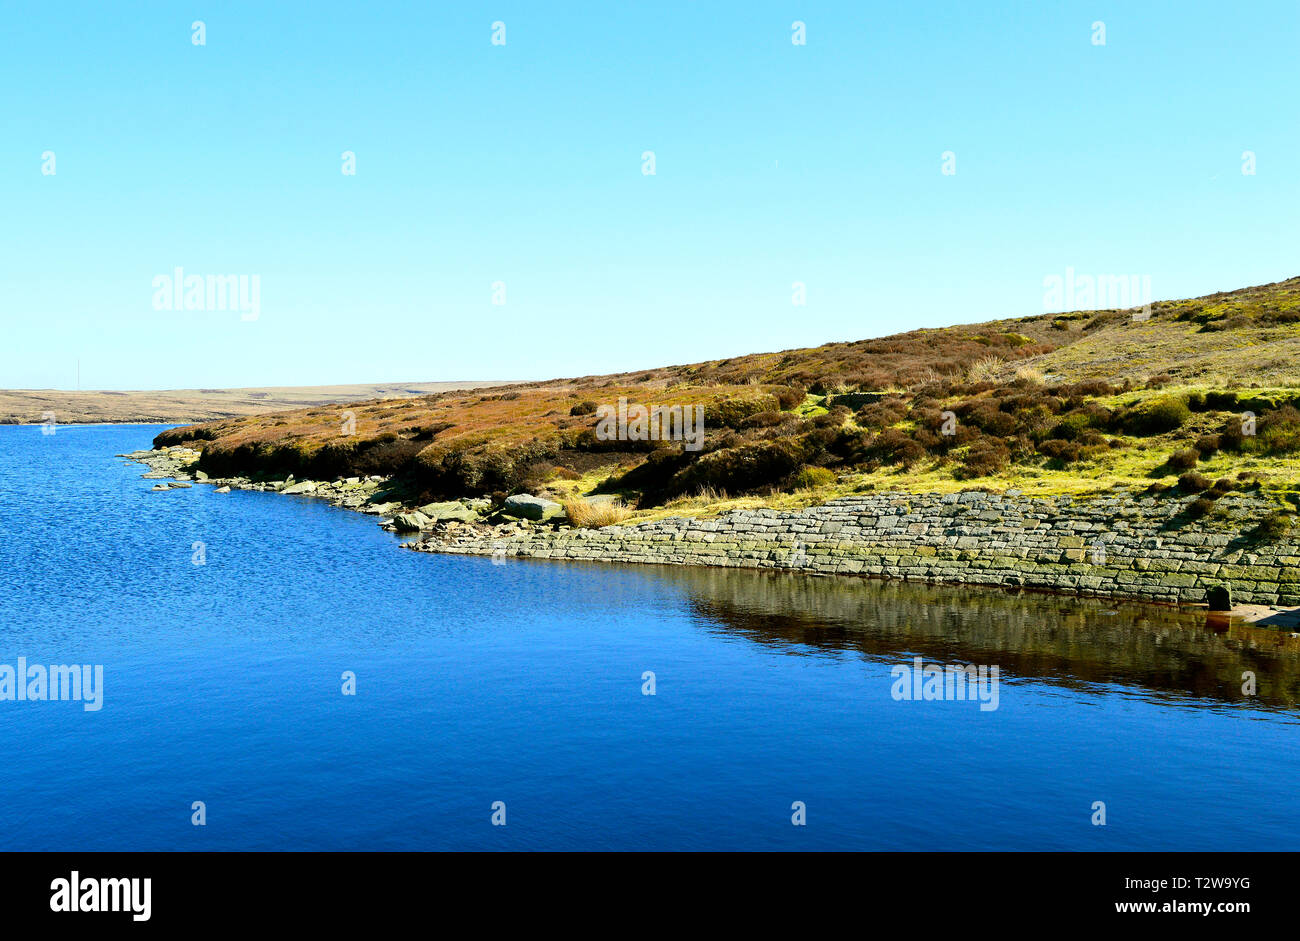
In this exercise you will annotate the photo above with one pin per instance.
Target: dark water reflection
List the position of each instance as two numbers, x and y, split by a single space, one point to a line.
1075 642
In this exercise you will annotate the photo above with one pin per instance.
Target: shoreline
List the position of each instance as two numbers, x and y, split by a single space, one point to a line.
1120 546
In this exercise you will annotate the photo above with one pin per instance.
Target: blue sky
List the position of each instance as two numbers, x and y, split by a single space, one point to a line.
522 163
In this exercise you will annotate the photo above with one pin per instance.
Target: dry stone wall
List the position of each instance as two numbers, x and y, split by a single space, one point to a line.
1120 545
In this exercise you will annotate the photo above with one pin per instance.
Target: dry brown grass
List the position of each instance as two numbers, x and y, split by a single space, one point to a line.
588 515
1030 374
765 413
987 369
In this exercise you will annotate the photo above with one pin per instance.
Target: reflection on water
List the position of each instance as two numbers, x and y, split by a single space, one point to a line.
1168 652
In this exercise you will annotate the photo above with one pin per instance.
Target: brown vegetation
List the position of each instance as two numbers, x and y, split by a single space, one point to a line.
961 399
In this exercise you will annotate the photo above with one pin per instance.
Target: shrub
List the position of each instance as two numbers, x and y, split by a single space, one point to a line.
892 446
881 414
583 408
1157 416
532 476
335 459
458 470
809 478
588 515
386 455
653 476
1035 419
1185 459
1232 438
986 456
789 397
1279 431
729 413
1274 527
741 469
1208 445
988 418
832 419
1220 401
763 420
1193 482
850 445
1200 507
1074 424
1090 387
1059 449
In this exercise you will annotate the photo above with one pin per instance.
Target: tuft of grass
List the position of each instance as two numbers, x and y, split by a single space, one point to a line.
1030 375
588 515
986 369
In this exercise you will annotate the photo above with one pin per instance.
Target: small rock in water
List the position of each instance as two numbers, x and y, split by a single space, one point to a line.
223 490
158 487
179 485
1219 598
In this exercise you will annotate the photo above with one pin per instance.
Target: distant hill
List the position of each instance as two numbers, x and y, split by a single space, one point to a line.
28 406
1049 402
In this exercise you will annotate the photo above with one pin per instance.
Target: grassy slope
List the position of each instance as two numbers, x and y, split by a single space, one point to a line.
1238 339
768 414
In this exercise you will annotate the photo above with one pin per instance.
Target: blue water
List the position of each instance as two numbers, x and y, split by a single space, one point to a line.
522 683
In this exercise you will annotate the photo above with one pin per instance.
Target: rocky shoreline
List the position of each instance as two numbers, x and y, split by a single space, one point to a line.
376 496
1118 545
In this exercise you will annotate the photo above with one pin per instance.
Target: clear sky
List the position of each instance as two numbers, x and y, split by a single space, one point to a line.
522 163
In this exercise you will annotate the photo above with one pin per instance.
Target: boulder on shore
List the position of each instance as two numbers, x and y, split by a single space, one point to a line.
450 510
526 506
410 522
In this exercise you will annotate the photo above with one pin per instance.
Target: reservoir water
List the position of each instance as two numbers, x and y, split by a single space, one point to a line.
524 683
